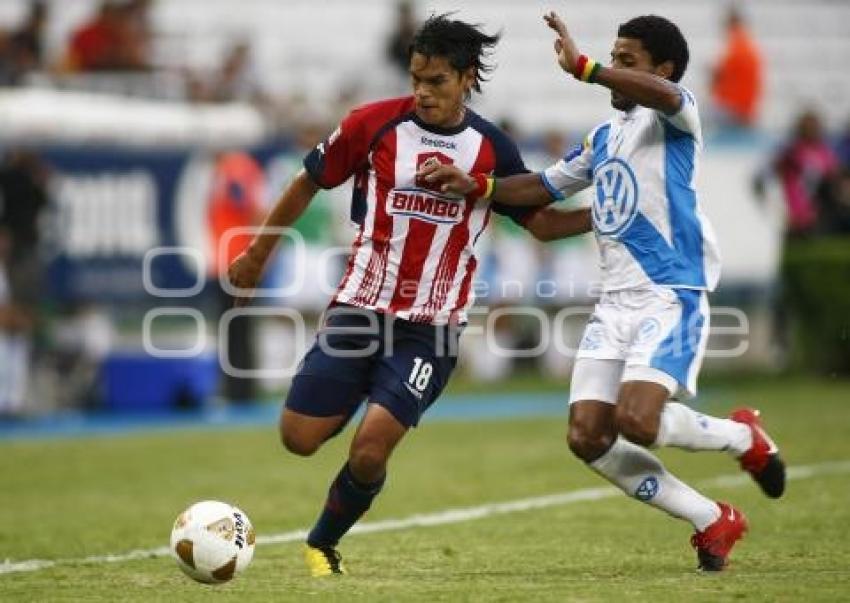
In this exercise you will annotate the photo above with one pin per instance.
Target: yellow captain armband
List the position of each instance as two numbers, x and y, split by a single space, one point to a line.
485 185
490 188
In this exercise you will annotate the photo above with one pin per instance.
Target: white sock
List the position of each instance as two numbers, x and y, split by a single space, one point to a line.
641 475
684 428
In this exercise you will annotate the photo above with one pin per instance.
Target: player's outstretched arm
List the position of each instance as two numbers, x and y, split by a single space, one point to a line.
549 224
646 89
247 268
519 189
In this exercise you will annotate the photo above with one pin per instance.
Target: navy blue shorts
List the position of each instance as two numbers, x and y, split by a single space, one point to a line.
360 354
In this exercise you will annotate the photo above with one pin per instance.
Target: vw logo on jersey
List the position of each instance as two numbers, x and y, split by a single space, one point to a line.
615 205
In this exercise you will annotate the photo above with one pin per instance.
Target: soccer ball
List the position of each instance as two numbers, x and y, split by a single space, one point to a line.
212 541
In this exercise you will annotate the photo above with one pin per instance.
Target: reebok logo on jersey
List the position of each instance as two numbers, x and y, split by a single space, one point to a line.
440 144
425 206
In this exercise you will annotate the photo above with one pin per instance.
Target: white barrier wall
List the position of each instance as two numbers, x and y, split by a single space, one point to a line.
53 117
749 230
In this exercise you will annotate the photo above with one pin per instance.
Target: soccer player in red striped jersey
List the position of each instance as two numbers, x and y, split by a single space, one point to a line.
390 334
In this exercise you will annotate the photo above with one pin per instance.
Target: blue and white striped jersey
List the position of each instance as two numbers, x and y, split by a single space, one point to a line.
646 216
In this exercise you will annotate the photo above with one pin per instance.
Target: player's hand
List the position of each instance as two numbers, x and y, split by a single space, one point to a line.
244 273
450 178
565 47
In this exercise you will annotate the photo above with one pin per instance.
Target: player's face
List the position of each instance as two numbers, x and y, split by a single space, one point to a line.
438 90
629 53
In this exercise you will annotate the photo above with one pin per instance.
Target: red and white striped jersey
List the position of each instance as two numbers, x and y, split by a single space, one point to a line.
414 253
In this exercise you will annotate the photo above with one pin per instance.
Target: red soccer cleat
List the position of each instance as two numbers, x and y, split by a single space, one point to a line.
762 460
714 543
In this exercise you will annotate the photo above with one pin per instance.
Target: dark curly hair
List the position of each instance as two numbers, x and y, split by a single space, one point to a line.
462 44
661 39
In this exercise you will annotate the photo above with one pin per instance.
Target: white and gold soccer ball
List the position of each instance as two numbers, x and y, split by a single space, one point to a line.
212 541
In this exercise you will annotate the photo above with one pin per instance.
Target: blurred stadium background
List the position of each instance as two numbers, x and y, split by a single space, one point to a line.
130 128
133 133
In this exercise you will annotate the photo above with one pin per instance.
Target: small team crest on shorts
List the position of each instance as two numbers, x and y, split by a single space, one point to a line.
647 489
648 330
615 204
592 339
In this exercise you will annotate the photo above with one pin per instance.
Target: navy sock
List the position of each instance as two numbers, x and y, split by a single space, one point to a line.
347 501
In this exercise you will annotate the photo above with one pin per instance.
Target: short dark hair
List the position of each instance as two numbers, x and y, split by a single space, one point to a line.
464 45
661 39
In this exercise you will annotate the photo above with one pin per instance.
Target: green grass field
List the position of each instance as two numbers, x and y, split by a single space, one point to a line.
71 498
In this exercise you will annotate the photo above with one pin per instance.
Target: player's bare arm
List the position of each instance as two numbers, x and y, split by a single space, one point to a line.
519 189
550 224
631 75
546 224
247 268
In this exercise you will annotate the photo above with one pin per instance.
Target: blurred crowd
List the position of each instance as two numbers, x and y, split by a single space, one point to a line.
117 38
22 48
813 171
23 197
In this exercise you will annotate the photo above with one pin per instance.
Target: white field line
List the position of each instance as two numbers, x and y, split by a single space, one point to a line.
433 519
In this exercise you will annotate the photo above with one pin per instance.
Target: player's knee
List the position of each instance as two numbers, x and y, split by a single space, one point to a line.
638 427
368 461
588 445
297 443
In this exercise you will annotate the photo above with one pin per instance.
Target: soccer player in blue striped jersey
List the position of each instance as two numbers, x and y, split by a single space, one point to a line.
645 341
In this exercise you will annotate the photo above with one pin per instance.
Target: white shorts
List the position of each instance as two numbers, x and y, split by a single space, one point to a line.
655 334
